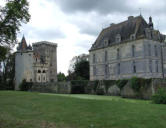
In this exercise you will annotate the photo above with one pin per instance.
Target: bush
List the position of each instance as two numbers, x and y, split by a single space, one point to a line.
78 86
138 83
121 83
160 96
25 86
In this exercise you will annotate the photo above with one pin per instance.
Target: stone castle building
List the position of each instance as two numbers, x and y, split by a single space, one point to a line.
130 48
37 64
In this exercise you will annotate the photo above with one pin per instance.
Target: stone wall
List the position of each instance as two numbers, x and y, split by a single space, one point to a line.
101 88
55 87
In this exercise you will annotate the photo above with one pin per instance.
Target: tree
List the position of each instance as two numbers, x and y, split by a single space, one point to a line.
61 76
7 80
12 16
79 68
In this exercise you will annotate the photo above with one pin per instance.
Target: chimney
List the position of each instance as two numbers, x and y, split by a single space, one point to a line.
150 23
130 17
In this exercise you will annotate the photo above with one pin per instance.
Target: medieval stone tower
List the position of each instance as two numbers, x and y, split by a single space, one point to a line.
37 64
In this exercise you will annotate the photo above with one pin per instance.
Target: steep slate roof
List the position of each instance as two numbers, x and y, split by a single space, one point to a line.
23 45
134 25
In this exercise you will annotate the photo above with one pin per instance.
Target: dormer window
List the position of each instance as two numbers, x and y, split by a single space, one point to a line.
106 42
118 38
132 37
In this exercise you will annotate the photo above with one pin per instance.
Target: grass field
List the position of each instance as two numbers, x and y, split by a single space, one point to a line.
42 110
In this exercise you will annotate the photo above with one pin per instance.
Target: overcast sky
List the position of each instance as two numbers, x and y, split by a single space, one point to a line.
75 24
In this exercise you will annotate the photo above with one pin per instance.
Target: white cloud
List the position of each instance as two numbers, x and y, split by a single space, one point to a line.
75 24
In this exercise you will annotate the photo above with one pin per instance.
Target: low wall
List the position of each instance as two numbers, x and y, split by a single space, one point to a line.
55 87
100 87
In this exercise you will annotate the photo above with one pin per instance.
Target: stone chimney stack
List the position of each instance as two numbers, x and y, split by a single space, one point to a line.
150 23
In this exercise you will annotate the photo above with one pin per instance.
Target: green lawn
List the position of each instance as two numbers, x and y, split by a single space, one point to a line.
43 110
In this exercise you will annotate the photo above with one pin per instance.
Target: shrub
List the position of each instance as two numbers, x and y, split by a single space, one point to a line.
78 86
121 83
135 84
160 96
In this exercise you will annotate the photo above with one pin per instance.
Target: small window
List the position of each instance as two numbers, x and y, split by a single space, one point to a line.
39 71
105 42
44 71
132 37
118 38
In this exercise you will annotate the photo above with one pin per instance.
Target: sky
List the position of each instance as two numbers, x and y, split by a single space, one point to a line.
75 24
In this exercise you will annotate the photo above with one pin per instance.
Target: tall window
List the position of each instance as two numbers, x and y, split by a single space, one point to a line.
118 54
106 56
149 50
94 58
133 50
134 67
118 68
157 66
150 66
106 70
94 70
155 50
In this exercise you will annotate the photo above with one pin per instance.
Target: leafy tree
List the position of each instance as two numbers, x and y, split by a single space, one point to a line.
12 15
82 69
3 52
61 76
79 68
7 80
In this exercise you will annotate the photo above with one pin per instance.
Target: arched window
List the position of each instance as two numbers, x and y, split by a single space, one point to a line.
44 71
39 71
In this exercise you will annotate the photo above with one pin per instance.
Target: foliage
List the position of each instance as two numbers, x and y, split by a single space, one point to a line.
3 52
80 69
138 83
12 15
7 78
160 96
25 86
108 83
78 86
61 76
121 83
